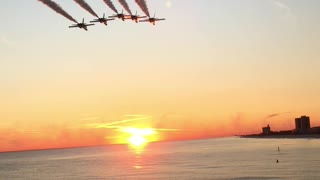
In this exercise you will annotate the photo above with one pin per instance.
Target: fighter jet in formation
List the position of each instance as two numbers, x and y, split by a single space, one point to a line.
119 16
82 25
152 20
102 20
135 17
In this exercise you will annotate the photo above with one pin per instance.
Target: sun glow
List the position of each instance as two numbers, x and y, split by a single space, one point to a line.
168 4
137 141
139 137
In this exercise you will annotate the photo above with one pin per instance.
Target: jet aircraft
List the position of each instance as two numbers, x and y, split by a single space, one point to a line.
102 20
135 17
119 15
82 25
152 20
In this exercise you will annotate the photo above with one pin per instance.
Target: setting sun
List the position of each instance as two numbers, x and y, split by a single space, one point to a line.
139 137
137 141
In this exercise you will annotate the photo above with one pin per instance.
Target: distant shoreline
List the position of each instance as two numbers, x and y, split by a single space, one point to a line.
274 136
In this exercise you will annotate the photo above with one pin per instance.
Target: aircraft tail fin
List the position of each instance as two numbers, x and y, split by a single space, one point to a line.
104 15
83 20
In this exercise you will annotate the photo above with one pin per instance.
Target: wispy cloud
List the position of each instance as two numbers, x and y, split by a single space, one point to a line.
122 124
113 125
5 40
287 11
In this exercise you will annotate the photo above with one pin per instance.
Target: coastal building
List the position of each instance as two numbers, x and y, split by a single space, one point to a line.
314 130
298 123
266 130
302 130
302 124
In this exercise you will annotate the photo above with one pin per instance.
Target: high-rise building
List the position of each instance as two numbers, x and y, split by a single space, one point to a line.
302 123
305 122
266 130
298 123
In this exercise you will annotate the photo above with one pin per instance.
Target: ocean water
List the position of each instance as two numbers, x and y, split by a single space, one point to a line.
225 158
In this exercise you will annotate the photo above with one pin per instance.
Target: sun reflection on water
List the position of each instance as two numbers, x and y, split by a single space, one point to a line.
137 140
138 153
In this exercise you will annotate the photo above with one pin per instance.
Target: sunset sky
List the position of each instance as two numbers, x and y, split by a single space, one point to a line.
213 68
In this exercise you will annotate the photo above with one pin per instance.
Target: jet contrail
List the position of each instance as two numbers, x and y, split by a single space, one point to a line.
57 8
125 6
275 115
111 6
86 6
143 5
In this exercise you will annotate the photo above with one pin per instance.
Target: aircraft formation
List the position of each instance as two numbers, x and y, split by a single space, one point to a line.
104 20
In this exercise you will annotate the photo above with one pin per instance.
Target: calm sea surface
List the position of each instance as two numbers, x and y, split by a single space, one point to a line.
226 158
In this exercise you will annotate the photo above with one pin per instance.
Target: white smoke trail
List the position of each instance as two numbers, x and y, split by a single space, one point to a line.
57 8
111 6
86 6
143 5
125 6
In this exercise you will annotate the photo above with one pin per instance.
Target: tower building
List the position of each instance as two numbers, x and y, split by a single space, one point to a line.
302 124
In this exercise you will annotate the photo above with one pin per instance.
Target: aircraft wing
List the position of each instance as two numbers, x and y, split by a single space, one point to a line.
74 26
90 24
113 16
142 16
94 21
160 19
145 20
